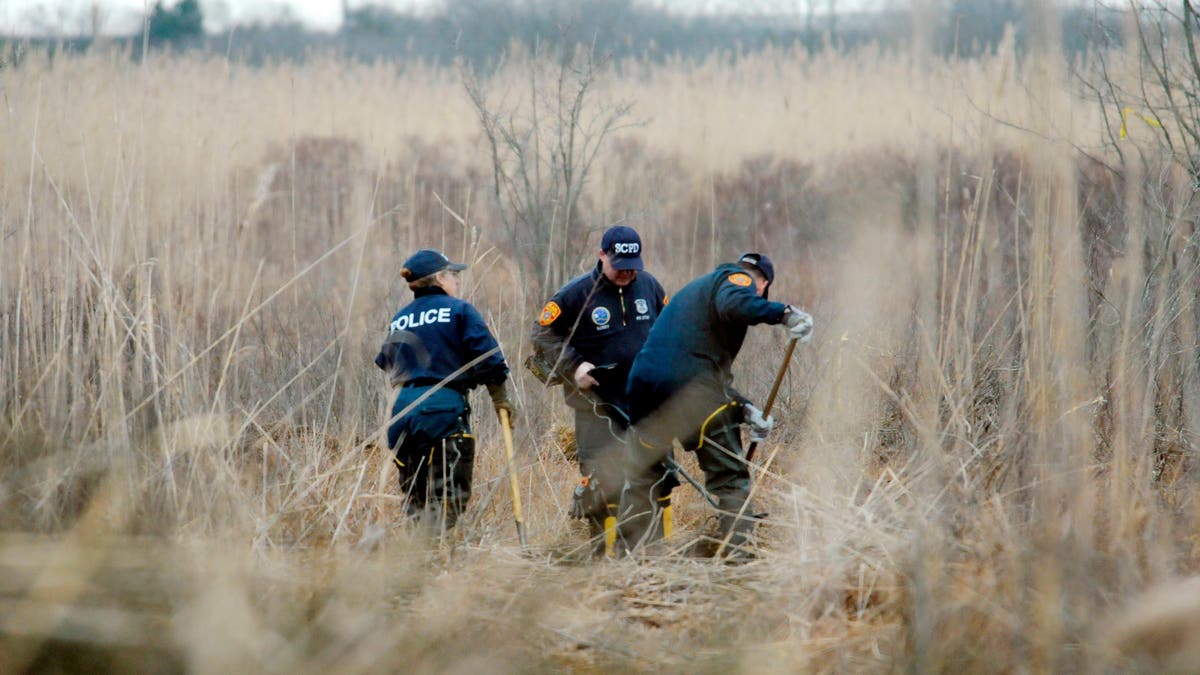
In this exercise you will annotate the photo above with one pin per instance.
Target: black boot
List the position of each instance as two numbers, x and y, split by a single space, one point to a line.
737 525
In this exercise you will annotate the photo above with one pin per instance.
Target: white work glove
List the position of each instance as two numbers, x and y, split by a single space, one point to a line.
759 426
799 324
583 379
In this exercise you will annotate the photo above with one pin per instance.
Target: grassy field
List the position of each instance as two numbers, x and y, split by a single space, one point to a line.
984 461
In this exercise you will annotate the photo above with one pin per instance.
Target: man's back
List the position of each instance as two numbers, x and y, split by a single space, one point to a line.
697 337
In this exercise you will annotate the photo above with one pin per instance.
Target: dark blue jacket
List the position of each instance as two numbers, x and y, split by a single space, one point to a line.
434 336
697 338
591 319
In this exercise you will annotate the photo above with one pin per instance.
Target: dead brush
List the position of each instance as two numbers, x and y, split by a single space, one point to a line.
1158 629
984 451
564 440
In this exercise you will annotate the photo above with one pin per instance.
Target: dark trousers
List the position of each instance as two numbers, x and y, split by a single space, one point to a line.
434 452
600 445
706 422
438 484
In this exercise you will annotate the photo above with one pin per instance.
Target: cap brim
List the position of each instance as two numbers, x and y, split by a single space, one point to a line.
626 263
456 267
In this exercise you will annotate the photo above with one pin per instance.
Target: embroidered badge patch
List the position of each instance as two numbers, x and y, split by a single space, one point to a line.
549 313
601 316
740 279
641 306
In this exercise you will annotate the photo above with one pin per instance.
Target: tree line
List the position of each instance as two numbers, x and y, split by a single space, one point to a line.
482 31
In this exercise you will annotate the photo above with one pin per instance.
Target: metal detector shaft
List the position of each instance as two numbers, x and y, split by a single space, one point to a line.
506 426
787 359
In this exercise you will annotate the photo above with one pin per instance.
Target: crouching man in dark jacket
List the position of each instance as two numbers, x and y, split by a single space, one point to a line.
680 388
438 348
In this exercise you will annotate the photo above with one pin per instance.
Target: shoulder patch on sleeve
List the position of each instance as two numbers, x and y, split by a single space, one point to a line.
740 279
549 313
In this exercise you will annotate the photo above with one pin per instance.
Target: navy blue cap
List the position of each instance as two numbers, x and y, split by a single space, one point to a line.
763 264
425 262
623 246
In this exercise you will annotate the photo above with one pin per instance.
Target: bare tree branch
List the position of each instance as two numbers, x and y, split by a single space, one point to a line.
542 152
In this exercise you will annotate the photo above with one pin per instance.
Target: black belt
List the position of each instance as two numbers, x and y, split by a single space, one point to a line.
433 381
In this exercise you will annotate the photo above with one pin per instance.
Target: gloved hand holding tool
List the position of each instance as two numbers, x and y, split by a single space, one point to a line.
760 424
501 401
799 324
800 328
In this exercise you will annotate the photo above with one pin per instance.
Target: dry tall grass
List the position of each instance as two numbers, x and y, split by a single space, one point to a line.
985 455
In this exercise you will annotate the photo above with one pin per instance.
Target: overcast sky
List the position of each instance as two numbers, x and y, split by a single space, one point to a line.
57 17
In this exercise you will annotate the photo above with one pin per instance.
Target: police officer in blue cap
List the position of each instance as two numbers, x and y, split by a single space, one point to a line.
681 387
438 348
586 338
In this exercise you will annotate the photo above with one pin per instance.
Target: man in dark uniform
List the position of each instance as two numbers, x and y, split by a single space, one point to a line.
438 348
680 387
587 336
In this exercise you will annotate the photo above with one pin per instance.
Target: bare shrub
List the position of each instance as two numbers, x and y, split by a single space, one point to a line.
543 141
